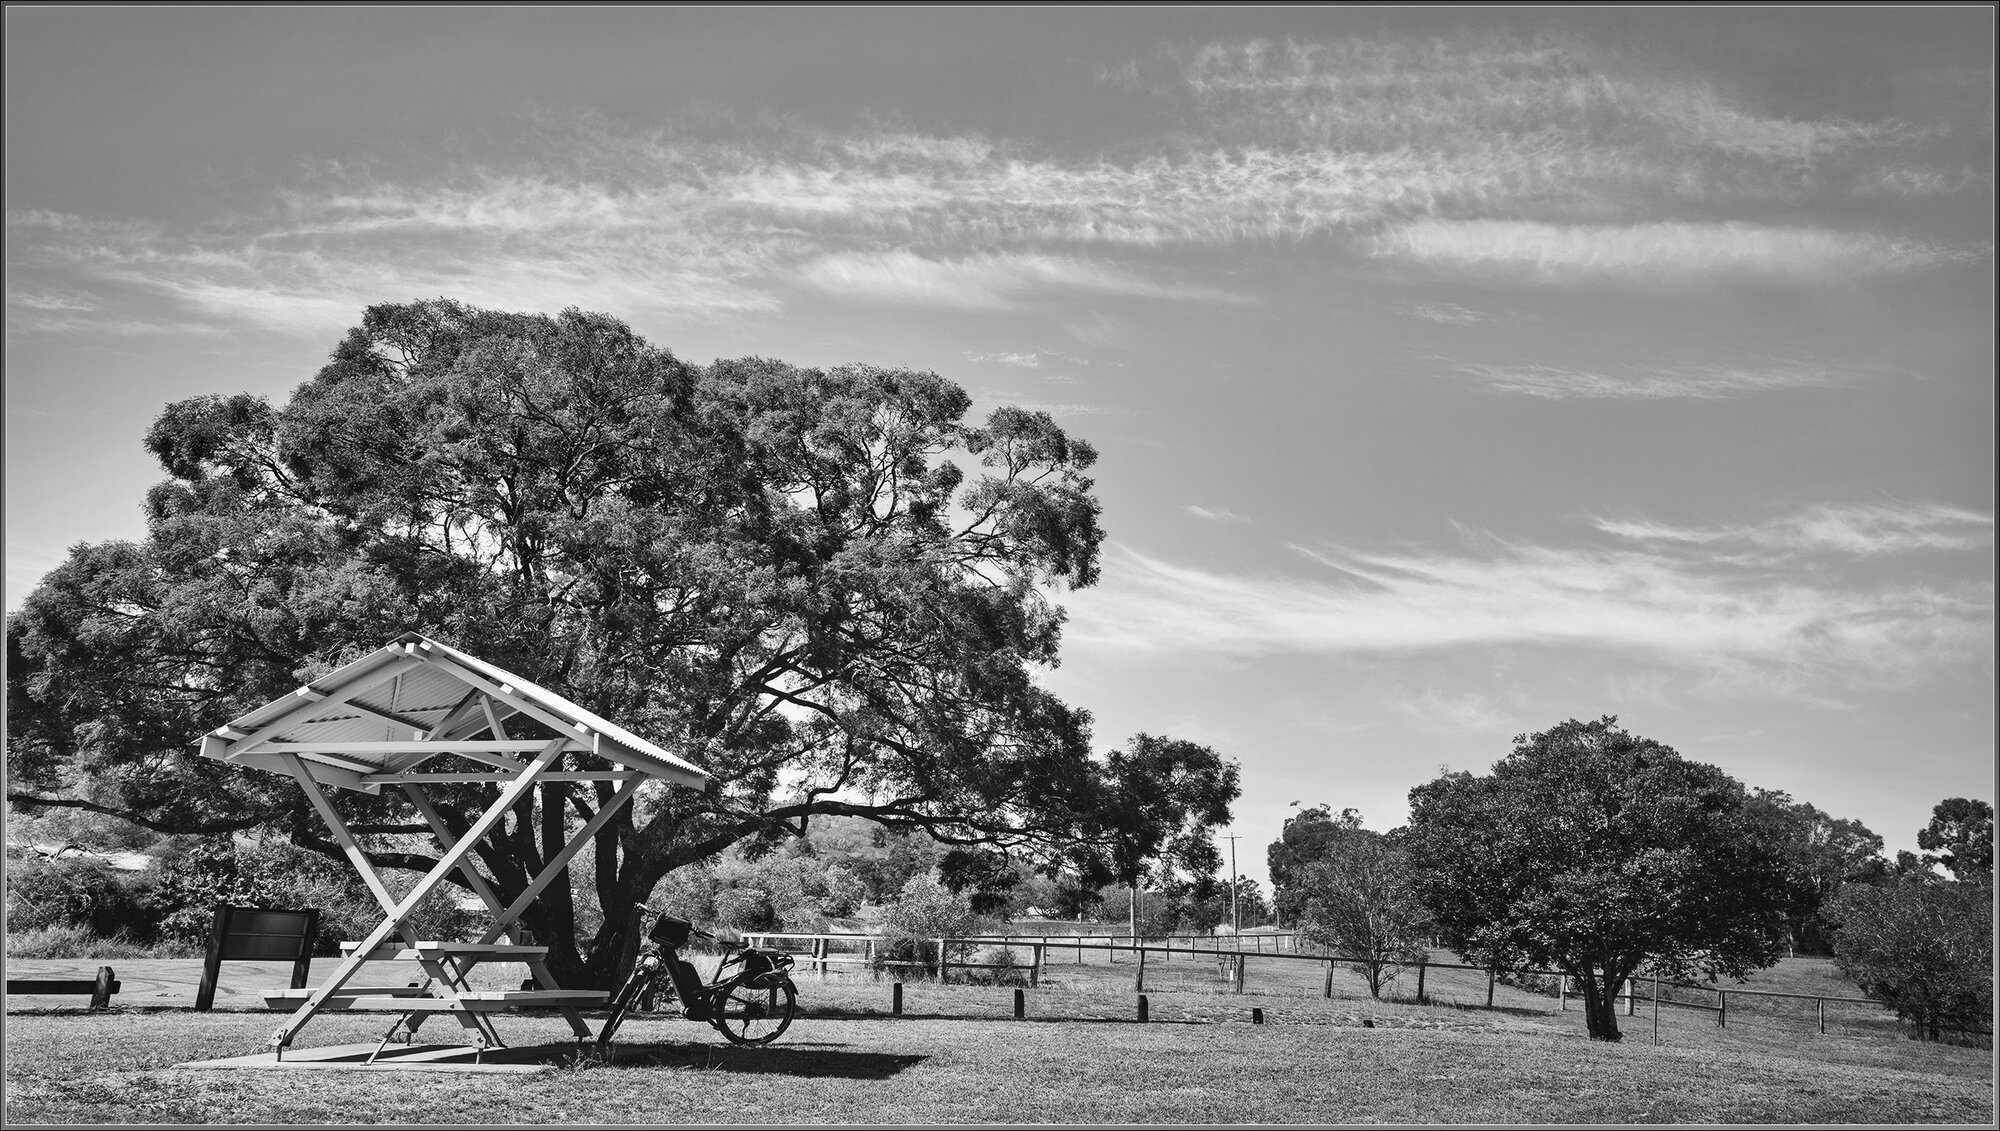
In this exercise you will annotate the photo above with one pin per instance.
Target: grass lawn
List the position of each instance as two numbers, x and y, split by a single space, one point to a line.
959 1057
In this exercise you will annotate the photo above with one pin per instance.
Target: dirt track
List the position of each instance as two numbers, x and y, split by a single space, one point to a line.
172 982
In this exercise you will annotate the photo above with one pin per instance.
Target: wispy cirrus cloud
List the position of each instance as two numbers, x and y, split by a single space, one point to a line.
1681 603
1215 514
1710 380
1666 254
1862 529
1478 156
1436 709
1446 313
985 282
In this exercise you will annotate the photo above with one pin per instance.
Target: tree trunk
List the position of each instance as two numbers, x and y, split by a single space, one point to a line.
1600 1005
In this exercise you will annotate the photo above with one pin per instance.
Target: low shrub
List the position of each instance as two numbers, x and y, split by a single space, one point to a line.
71 940
80 891
997 956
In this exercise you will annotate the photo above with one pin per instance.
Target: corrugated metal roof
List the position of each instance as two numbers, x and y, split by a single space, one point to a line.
407 688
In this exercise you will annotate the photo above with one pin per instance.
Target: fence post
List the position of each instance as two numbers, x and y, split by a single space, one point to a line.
820 947
1035 966
1490 976
1562 991
1423 964
1656 1009
100 993
896 999
944 971
1242 968
1142 1007
1822 1015
869 952
1721 1009
1020 1004
1631 998
1329 979
1139 978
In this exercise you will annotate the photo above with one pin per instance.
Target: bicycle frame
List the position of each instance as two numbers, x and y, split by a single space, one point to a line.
741 1005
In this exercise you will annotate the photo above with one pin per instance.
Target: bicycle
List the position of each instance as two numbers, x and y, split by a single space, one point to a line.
751 1005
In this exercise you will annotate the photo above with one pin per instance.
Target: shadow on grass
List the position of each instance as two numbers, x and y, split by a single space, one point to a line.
799 1059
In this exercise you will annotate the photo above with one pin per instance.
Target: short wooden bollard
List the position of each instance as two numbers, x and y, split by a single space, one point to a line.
896 999
1142 1007
1329 980
1256 1016
1421 967
1020 1004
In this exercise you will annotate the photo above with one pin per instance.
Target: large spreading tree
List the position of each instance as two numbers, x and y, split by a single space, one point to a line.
1599 853
786 575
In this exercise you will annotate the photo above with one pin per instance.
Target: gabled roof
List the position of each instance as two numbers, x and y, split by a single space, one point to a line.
412 700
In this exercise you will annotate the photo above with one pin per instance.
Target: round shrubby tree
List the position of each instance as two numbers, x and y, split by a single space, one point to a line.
1598 853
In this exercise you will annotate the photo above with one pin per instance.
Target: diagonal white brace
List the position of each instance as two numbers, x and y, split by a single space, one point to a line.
495 813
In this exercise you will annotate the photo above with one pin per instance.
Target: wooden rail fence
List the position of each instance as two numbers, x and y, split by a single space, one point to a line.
1233 953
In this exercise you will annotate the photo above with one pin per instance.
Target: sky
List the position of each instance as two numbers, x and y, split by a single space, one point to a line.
1454 373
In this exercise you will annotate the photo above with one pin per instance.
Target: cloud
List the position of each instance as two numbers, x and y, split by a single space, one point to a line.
1439 710
1634 382
1552 114
1746 615
1663 254
1016 360
1215 514
985 282
1859 529
1479 156
1450 314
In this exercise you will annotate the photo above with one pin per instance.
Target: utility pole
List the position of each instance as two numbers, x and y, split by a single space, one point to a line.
1235 919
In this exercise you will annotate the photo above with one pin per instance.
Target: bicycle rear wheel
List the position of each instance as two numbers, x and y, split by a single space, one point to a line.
628 997
750 1016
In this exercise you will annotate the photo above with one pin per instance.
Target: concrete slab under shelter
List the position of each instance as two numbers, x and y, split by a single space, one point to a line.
402 1058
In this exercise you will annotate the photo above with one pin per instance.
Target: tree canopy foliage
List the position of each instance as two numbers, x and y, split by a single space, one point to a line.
1923 949
1360 902
1305 839
1597 852
1960 837
784 574
1820 853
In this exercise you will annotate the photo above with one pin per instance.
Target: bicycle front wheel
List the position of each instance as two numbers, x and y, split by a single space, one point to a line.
750 1016
628 997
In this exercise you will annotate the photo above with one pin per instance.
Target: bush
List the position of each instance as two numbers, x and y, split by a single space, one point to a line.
1923 949
80 891
1548 985
924 912
997 956
194 881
